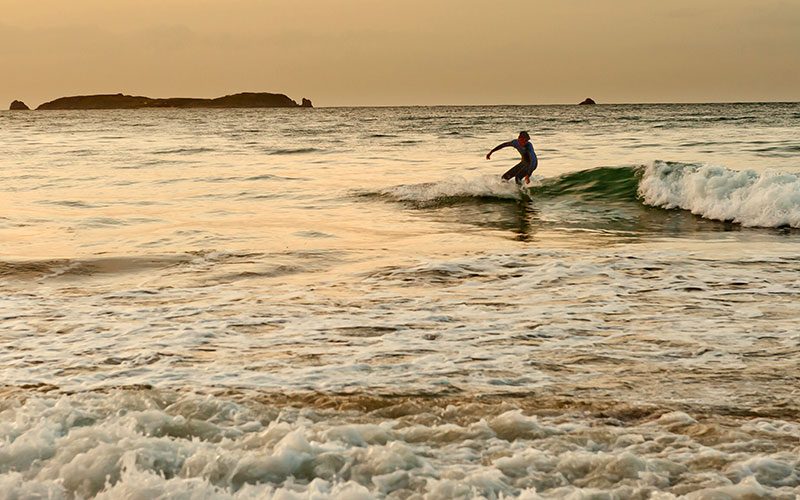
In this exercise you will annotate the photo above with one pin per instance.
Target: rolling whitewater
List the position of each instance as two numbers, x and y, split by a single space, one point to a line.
349 303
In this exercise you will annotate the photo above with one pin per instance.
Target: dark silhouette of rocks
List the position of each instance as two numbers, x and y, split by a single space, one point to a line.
18 106
588 100
120 101
306 103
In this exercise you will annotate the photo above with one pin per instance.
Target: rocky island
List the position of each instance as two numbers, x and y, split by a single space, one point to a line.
18 106
121 101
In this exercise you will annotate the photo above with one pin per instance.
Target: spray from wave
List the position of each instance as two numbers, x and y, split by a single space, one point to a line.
768 199
455 190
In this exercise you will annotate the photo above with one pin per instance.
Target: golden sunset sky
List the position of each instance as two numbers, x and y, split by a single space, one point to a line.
404 52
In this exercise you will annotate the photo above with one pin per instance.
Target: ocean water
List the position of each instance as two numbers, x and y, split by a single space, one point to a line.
349 303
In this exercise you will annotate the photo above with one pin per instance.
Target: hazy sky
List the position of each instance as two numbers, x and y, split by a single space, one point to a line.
372 52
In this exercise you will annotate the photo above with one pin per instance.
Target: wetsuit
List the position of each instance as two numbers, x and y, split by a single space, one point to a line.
528 164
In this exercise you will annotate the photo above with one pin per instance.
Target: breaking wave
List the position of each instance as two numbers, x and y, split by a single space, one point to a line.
455 190
768 199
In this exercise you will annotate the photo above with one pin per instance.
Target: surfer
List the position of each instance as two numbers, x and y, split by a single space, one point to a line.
524 168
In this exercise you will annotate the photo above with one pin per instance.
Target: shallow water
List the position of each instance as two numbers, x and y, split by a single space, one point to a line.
347 302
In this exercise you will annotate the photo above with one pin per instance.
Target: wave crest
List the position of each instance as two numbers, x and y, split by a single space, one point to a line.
454 190
767 199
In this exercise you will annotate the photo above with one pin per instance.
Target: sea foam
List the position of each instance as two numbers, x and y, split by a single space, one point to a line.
768 199
161 444
487 186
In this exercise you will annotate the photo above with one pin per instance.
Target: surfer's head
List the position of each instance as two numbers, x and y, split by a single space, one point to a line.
524 137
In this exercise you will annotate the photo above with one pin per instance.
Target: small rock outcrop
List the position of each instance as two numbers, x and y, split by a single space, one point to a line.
306 103
19 106
588 100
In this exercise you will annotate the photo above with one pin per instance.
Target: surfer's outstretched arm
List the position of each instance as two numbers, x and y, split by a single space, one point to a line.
498 147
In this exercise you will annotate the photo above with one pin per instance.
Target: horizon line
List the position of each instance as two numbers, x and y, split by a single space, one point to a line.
553 104
631 103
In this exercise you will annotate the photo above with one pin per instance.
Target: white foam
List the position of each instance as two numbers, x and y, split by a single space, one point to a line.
676 418
514 425
769 471
359 435
14 485
489 186
767 199
749 488
120 445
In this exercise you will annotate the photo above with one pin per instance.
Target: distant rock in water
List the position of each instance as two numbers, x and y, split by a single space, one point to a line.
588 100
306 103
120 101
18 106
